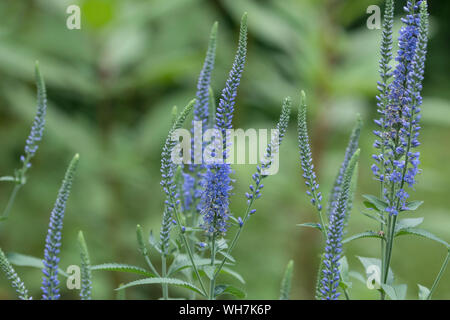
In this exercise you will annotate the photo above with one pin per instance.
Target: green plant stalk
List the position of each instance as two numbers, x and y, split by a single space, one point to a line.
237 234
11 200
439 276
188 250
144 251
213 257
165 288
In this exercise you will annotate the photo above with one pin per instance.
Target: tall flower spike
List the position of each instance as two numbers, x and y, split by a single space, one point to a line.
224 112
50 280
201 107
192 189
167 173
37 129
305 157
383 88
333 249
167 165
271 150
217 181
86 275
12 276
396 164
351 148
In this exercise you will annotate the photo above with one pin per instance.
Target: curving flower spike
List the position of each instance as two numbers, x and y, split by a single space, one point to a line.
50 280
86 275
167 177
201 107
224 112
271 150
351 148
192 189
37 129
331 277
217 182
305 157
11 274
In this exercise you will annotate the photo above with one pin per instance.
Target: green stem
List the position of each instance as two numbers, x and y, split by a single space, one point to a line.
389 245
213 257
150 264
11 200
439 276
188 249
165 288
347 296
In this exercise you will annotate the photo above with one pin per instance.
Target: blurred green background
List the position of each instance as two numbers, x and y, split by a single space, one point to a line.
111 87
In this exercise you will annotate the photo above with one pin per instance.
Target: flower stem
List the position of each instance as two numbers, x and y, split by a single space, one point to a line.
11 200
165 288
213 257
439 276
188 250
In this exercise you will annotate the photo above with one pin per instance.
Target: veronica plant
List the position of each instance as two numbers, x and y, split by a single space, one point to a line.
204 191
333 223
50 263
50 280
397 160
31 145
395 168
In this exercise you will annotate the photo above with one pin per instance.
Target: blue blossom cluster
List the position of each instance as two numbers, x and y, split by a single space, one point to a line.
306 158
216 200
217 181
333 249
399 105
50 280
194 176
37 128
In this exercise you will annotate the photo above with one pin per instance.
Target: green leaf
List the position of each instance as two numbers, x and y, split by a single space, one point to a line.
221 244
232 273
209 271
358 276
122 268
227 289
169 281
310 225
408 223
413 205
8 178
23 260
379 204
369 205
421 233
367 234
369 262
424 292
152 241
397 292
344 273
286 281
182 261
226 255
378 217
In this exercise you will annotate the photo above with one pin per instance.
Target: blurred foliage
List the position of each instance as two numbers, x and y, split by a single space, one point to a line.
112 84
